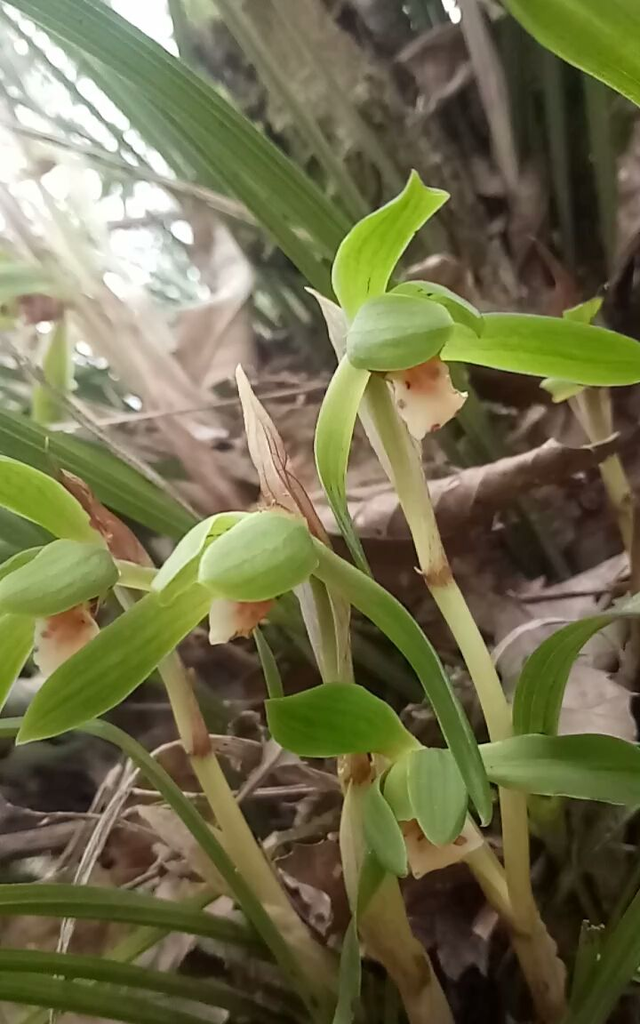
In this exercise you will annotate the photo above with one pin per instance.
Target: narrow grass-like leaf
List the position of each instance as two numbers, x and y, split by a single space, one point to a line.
113 481
588 953
332 444
461 310
585 767
394 332
540 689
335 719
106 671
240 887
44 501
395 621
549 347
16 641
601 39
437 793
19 533
382 832
269 665
19 278
94 903
366 258
95 1001
265 555
617 963
57 368
63 574
137 979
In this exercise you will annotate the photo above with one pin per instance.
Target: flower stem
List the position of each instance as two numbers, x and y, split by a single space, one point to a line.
535 949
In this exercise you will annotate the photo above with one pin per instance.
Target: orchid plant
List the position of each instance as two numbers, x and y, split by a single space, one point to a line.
408 809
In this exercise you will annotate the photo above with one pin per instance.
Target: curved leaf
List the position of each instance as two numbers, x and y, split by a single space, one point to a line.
395 332
546 346
120 657
44 501
461 310
366 258
332 444
589 767
437 793
335 719
382 832
395 621
540 688
16 642
62 575
601 39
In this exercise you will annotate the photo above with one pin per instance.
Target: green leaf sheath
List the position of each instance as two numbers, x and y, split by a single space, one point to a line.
437 794
366 258
335 719
395 621
395 332
106 671
63 574
334 433
600 38
588 767
113 481
265 555
549 347
540 689
16 642
44 501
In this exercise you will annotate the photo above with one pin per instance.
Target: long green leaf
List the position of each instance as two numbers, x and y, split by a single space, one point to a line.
44 501
137 979
366 258
113 481
335 719
123 655
600 38
94 903
16 641
210 129
618 959
96 1000
332 444
589 767
549 347
403 631
63 574
540 689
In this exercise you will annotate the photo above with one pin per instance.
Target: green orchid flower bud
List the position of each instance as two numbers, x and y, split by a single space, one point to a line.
63 574
461 310
395 332
263 556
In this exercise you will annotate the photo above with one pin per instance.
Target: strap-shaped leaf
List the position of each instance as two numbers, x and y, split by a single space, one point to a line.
37 497
382 832
119 658
395 332
16 641
366 258
113 481
546 346
461 310
395 621
63 574
437 793
332 444
540 689
263 556
335 719
600 38
589 767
